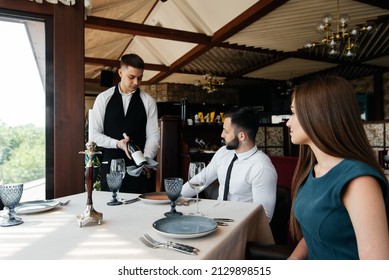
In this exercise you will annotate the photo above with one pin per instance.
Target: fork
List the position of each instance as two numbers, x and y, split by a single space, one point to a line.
155 246
186 202
64 203
148 241
186 247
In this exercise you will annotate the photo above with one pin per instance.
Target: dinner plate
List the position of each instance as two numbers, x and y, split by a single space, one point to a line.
208 152
185 226
194 150
35 206
155 197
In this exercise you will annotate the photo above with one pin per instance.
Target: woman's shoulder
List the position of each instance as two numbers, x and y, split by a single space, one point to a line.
357 167
354 169
350 168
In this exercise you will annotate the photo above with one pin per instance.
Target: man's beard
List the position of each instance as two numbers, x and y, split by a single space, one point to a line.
233 144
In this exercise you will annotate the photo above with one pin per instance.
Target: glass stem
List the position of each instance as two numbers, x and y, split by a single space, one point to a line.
197 201
11 213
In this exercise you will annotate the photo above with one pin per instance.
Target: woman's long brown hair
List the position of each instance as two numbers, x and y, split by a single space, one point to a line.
328 111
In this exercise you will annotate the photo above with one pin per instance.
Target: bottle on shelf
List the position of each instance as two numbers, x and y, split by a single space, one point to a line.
184 108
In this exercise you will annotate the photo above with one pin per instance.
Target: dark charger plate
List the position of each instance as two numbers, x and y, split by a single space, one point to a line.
185 226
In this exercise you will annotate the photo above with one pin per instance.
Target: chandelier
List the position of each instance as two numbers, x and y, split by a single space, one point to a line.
210 83
338 37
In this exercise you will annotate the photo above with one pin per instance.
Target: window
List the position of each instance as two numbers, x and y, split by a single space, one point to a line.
22 104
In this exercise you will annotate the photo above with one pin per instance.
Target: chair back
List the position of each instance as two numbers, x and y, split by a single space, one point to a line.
285 167
280 222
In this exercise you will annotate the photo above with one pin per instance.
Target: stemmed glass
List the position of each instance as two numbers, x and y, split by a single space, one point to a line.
173 187
196 180
1 183
118 165
114 182
10 195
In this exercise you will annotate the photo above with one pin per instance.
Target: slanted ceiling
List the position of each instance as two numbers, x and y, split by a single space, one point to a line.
245 42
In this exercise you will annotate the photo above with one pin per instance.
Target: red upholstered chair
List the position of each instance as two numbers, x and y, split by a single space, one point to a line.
279 224
285 167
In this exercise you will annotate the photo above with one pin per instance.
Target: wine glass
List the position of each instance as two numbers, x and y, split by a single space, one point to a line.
173 187
196 180
118 165
114 182
10 195
1 183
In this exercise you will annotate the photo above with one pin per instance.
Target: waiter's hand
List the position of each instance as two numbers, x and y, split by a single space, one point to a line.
122 144
147 171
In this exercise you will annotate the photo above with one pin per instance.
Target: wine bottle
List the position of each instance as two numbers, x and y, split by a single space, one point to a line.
136 154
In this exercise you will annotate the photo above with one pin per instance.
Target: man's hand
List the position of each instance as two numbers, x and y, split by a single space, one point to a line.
122 144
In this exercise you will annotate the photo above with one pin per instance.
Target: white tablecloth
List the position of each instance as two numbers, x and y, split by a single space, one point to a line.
55 234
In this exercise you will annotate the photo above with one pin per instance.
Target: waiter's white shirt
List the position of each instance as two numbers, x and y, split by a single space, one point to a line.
152 130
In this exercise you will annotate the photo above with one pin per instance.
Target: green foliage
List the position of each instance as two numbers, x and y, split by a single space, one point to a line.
22 153
96 172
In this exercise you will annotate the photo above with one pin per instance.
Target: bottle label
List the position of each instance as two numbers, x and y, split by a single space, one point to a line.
138 158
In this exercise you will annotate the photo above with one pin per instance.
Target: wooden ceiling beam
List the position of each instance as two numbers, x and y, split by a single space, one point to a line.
132 28
252 14
116 63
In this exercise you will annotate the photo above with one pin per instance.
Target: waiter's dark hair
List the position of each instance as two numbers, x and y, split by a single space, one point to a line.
132 60
244 118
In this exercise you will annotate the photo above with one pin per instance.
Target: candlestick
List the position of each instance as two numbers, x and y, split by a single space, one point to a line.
90 215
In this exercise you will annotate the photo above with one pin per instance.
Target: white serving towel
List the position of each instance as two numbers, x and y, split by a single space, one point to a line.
135 171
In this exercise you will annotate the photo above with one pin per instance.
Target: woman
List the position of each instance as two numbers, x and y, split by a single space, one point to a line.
339 191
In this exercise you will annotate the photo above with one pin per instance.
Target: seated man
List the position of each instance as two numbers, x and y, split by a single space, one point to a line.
253 177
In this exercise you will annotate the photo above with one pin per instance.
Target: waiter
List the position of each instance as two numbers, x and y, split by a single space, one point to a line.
125 108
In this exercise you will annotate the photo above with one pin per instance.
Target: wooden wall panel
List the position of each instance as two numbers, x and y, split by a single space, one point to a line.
69 101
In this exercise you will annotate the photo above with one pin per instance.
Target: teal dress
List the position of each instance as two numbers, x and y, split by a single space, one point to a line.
324 220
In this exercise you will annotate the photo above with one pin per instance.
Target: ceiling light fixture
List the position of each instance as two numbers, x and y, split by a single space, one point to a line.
342 39
210 83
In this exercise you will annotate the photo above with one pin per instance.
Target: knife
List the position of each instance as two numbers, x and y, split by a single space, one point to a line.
128 201
223 220
184 247
167 245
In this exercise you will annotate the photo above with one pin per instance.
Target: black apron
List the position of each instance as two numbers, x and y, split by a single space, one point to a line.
134 125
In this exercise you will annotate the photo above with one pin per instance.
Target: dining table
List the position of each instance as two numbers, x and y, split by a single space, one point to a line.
56 233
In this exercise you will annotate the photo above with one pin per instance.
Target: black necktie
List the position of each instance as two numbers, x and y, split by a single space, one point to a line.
227 184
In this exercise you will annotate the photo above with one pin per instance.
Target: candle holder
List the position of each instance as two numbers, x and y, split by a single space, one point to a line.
90 215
